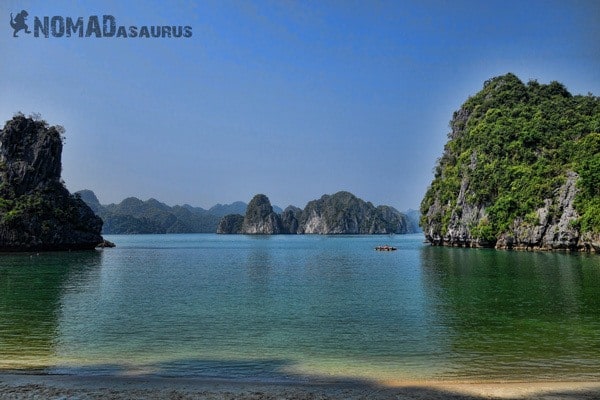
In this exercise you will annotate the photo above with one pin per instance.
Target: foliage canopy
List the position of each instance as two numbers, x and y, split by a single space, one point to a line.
513 144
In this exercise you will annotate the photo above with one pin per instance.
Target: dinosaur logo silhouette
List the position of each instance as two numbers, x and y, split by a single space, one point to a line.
18 22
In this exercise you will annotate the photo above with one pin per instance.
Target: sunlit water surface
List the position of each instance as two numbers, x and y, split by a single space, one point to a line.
301 307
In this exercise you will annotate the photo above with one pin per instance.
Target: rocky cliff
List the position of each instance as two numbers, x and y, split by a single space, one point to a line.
394 220
340 213
231 224
36 211
289 219
521 169
344 213
260 218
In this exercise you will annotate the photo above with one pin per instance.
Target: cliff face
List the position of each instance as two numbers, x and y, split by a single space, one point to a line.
289 219
260 218
231 224
36 210
340 213
553 225
344 213
520 170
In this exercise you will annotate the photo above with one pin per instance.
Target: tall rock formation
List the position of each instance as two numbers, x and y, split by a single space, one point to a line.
521 169
36 211
344 213
339 214
260 219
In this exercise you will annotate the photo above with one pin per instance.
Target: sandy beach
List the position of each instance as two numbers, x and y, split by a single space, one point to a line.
38 386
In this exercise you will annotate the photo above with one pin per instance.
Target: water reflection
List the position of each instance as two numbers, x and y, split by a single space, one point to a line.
258 266
331 305
31 287
515 313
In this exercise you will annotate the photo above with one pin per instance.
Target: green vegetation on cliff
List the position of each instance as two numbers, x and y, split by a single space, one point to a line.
341 213
587 159
511 148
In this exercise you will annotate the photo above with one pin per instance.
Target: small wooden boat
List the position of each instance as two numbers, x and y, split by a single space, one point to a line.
386 248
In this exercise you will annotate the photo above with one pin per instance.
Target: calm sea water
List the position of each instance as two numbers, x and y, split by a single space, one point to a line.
294 307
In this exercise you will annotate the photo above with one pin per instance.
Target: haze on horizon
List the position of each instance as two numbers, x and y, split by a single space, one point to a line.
290 99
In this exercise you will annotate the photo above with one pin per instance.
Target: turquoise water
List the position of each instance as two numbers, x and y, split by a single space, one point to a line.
298 307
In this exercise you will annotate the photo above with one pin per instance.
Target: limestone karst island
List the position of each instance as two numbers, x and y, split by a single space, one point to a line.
521 169
37 212
340 213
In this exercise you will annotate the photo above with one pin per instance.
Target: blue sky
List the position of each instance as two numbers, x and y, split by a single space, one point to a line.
293 99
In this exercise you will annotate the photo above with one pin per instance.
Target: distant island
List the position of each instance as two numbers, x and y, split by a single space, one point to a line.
521 169
37 212
135 216
337 214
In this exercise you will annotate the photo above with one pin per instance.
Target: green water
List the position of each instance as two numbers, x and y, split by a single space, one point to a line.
297 307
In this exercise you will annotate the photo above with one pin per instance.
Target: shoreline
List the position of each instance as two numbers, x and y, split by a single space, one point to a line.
18 384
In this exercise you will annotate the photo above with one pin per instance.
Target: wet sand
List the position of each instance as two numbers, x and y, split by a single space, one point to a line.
38 386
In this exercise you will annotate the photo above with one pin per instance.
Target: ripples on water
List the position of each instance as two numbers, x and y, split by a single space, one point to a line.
289 307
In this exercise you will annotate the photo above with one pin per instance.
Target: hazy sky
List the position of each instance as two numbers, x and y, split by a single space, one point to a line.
292 99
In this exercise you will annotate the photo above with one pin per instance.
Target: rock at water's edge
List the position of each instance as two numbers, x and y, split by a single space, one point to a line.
231 224
36 211
260 219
